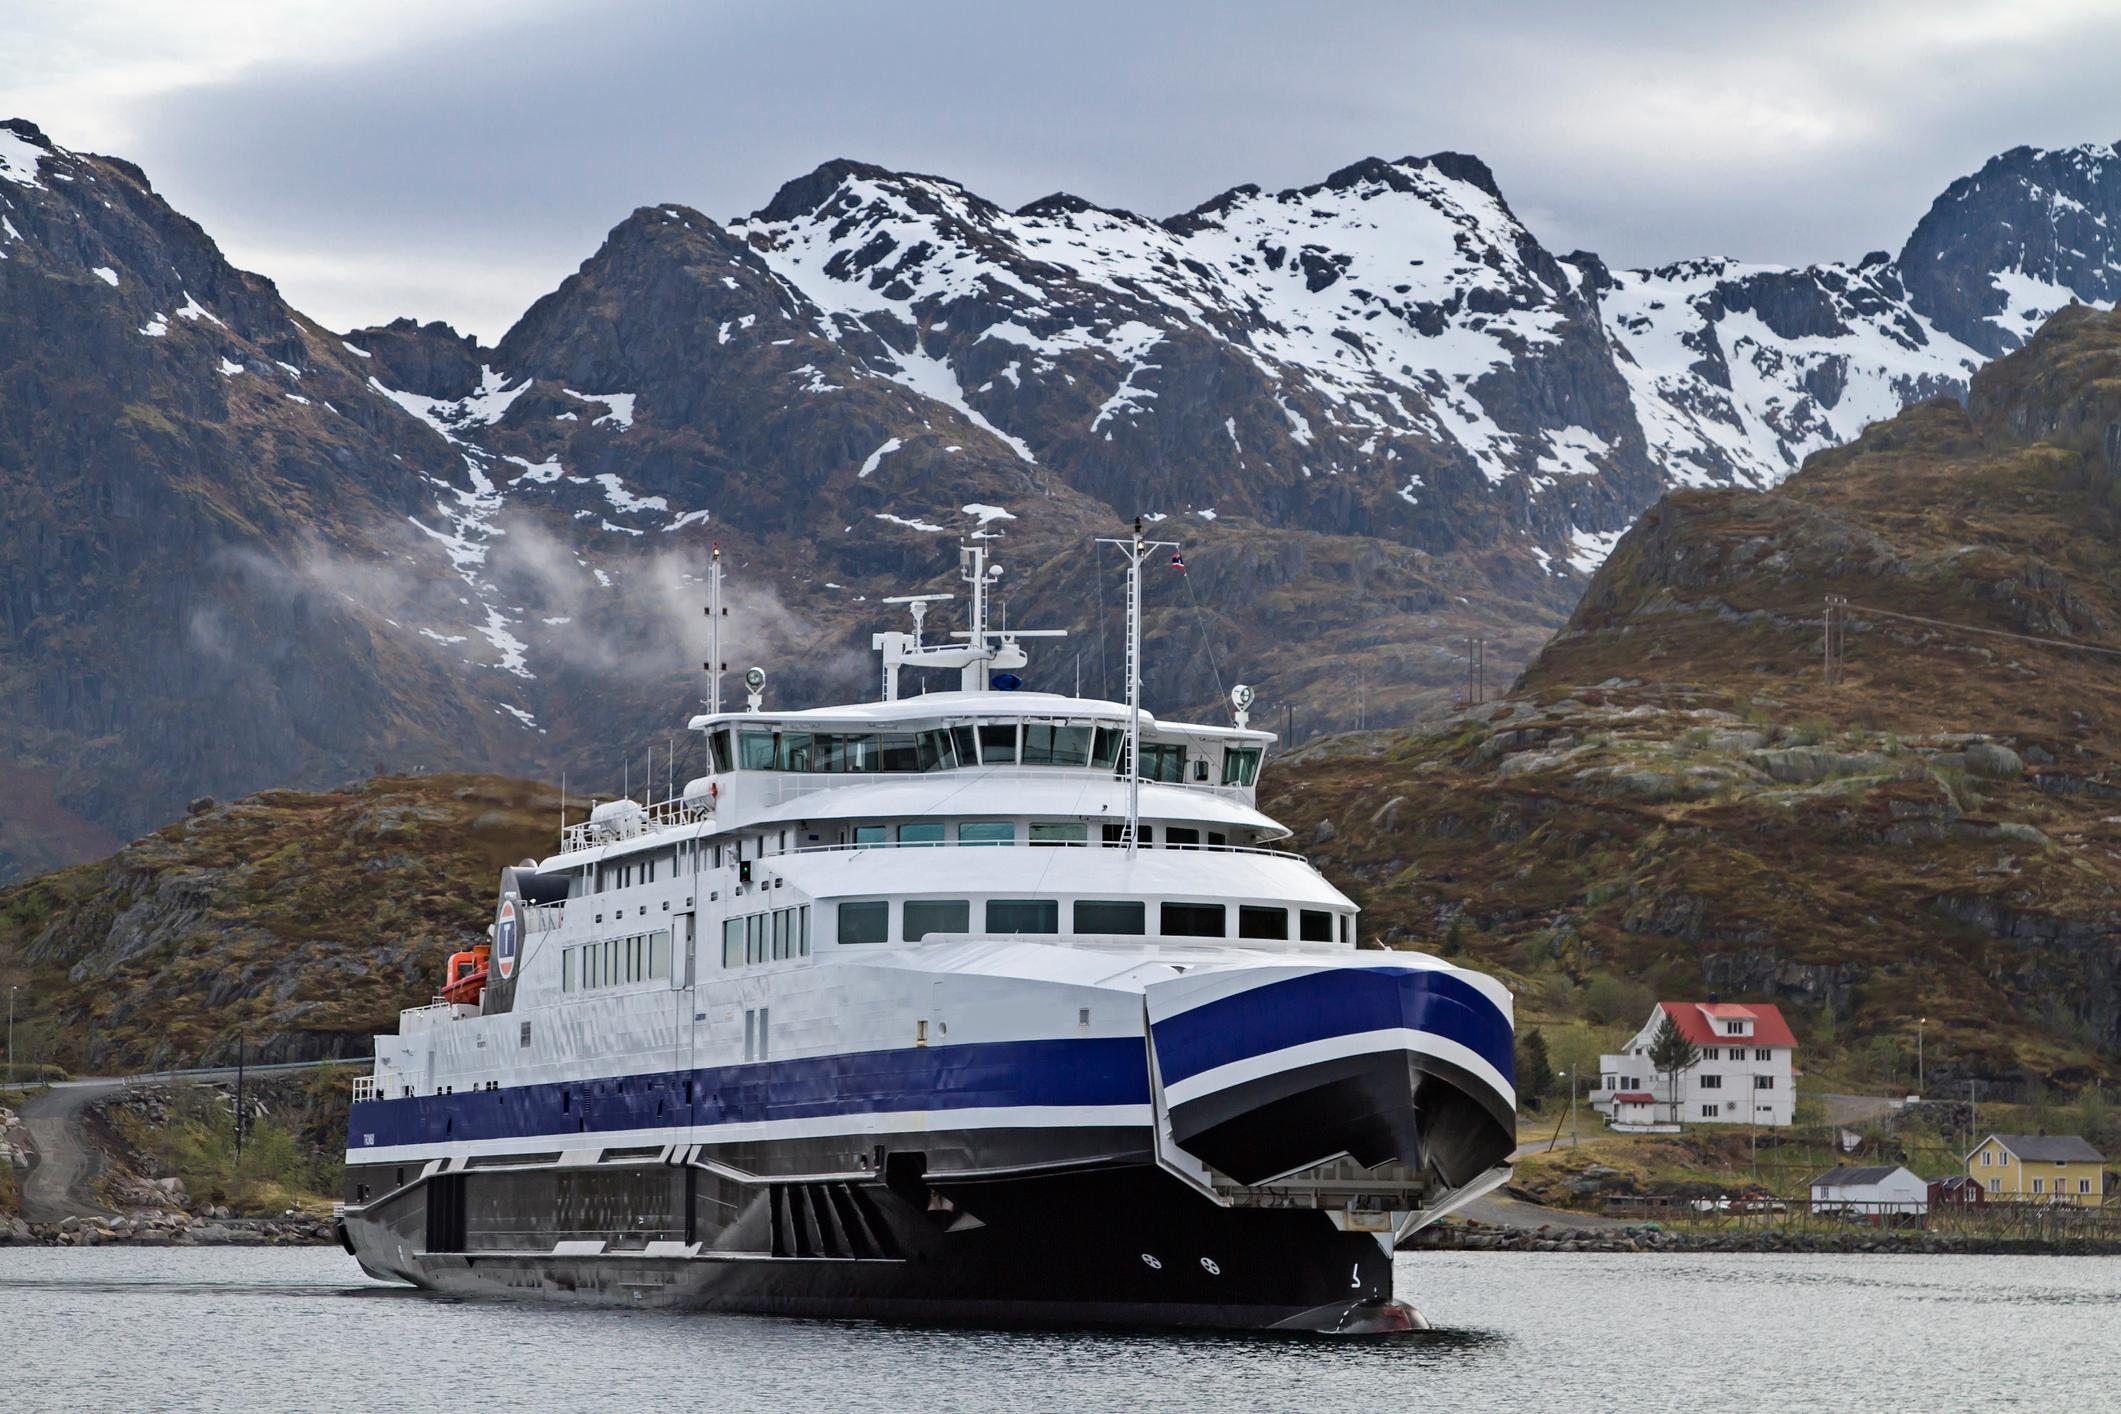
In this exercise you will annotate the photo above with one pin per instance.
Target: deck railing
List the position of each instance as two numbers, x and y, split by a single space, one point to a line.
784 786
1041 844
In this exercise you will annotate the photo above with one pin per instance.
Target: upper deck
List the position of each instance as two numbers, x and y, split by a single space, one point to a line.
979 752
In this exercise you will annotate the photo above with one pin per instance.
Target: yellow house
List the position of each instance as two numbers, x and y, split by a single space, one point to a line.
2038 1168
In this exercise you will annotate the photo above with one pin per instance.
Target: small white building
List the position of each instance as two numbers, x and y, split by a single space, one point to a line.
1744 1074
1873 1191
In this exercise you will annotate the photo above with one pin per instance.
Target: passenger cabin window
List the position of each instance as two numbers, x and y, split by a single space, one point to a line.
871 834
1315 925
774 936
986 832
1258 922
615 962
1240 765
997 743
1059 832
922 916
1178 834
1023 915
1194 920
1121 916
927 832
868 922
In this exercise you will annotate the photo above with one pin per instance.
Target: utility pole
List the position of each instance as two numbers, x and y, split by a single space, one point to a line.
239 1099
1920 1087
11 1032
1836 637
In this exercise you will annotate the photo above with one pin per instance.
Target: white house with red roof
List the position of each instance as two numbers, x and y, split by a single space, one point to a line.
1743 1075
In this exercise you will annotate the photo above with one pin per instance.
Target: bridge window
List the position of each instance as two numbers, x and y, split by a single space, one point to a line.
901 753
791 751
1023 915
937 752
1315 925
986 832
997 743
755 750
1047 744
1053 832
1258 922
923 916
718 742
1119 916
867 922
1240 765
1163 761
1194 920
1104 752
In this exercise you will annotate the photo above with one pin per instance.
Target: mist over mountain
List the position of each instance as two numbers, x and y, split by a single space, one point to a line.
238 549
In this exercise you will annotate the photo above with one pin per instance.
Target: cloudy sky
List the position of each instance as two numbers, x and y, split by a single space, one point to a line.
455 160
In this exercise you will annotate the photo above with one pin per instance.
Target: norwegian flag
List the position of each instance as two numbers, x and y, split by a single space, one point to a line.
1178 560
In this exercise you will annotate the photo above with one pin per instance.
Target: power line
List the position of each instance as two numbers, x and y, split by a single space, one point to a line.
2070 643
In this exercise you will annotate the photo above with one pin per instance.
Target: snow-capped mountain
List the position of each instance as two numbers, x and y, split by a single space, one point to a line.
238 549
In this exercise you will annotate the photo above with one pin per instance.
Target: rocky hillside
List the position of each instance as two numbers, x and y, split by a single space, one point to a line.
238 550
297 923
1673 796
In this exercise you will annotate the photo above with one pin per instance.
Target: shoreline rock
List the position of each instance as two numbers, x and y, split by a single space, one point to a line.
168 1230
1651 1238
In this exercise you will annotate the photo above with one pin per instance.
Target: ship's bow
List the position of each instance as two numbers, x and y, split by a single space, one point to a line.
1267 1069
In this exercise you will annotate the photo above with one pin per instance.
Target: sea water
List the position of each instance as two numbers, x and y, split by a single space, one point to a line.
258 1329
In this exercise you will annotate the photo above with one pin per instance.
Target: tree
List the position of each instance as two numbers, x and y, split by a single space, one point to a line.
1535 1073
1577 1051
1672 1053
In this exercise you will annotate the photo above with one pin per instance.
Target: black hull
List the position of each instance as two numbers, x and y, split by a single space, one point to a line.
1125 1245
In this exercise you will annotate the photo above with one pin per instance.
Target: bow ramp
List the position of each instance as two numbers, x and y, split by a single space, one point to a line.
1266 1069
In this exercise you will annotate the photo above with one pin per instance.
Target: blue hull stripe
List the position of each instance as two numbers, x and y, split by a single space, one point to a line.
1074 1072
1318 1005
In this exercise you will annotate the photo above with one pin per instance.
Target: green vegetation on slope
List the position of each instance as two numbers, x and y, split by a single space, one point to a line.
297 922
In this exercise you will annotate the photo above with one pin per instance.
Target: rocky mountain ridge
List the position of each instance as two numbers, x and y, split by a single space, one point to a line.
240 549
1673 794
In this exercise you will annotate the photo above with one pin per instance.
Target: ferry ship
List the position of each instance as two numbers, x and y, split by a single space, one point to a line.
982 1005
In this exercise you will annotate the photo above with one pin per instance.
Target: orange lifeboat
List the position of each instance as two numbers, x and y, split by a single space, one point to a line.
465 981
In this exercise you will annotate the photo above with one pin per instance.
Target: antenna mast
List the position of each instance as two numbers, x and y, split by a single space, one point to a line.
1136 549
715 611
